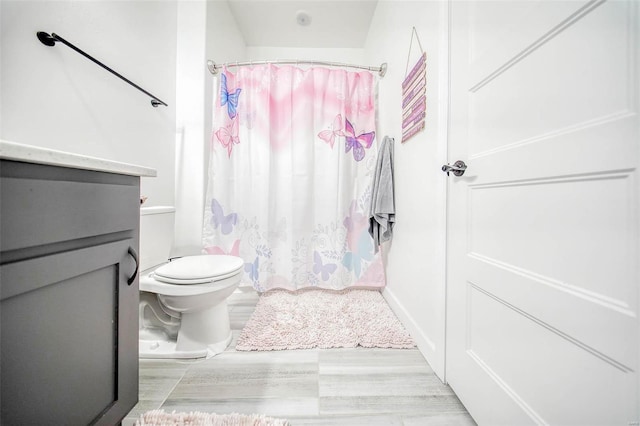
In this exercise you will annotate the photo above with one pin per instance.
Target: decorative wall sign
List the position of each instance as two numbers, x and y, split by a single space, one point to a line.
414 97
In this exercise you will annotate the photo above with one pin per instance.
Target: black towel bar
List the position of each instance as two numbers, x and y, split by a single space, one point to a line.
50 40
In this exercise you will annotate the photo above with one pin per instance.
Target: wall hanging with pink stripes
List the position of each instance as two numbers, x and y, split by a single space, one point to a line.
414 95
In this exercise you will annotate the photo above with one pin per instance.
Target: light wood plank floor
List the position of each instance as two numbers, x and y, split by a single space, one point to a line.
355 386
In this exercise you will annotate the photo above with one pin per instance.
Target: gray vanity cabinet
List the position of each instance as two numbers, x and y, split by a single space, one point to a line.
69 298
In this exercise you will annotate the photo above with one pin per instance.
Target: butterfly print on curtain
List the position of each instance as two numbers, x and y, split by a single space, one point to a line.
329 136
271 196
228 136
218 218
229 99
357 143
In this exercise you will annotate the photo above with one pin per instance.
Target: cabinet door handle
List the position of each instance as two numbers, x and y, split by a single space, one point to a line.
133 254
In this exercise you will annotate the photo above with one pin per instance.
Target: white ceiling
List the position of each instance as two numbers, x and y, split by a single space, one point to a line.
333 23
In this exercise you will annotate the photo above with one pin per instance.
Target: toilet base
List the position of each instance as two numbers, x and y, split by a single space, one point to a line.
166 349
201 334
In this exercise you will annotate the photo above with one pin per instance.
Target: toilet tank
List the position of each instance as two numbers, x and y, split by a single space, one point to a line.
156 235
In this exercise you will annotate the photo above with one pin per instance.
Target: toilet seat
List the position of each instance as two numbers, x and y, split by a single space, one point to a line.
200 269
205 280
149 283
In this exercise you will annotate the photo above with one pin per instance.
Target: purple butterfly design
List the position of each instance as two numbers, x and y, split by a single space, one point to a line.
252 269
230 99
319 268
357 143
225 223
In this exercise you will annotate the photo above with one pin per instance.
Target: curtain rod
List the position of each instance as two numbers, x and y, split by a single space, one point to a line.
215 68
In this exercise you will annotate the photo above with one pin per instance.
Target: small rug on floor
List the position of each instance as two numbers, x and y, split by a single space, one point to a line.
322 319
160 418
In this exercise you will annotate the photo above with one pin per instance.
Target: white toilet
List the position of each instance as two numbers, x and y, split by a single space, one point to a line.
183 308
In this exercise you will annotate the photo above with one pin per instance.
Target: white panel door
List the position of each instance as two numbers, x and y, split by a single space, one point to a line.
543 228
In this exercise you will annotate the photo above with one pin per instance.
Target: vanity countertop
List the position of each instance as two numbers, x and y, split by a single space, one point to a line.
34 154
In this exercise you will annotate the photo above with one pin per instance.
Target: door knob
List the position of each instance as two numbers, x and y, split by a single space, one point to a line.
457 169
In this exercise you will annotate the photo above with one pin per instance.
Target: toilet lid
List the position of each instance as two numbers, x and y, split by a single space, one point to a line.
198 269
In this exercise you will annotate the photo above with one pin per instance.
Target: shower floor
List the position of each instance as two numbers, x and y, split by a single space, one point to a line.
354 386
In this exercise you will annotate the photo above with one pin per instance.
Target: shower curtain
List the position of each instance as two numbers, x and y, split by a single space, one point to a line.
292 156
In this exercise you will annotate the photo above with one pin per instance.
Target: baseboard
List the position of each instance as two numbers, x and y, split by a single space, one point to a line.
425 345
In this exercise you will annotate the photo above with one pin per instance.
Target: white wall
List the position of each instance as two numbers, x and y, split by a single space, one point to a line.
345 55
224 44
416 257
191 73
53 97
206 30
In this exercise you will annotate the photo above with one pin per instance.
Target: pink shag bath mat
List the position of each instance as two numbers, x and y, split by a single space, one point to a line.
322 319
160 418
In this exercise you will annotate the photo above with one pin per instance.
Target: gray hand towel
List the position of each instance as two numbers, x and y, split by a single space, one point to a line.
382 211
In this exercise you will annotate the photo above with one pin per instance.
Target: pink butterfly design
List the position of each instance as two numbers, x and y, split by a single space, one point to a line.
357 143
329 136
228 136
235 249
